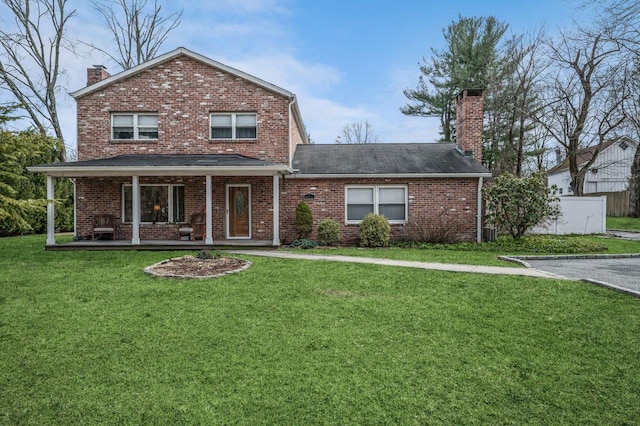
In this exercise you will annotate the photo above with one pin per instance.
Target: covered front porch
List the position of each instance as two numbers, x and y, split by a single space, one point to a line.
152 198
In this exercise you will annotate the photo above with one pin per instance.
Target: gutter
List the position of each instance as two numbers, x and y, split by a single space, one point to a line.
385 175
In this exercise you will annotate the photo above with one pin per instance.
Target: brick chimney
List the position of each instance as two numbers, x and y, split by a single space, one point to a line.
469 112
96 74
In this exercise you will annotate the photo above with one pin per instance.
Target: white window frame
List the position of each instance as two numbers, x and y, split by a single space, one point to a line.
376 201
233 125
169 201
136 127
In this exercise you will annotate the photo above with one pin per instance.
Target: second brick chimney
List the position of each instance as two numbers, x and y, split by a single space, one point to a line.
96 74
469 114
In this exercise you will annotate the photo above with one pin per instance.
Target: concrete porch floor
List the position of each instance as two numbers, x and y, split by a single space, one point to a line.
158 245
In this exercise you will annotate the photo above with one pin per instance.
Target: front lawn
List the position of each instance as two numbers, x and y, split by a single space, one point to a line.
87 338
623 223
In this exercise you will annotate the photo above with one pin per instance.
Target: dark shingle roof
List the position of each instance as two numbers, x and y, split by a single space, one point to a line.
384 159
168 160
165 164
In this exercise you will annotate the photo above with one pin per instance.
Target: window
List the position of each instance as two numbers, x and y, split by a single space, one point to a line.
134 126
234 126
158 203
389 201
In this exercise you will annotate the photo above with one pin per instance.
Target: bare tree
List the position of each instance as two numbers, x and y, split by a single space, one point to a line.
586 88
623 16
358 133
511 135
30 59
137 27
632 125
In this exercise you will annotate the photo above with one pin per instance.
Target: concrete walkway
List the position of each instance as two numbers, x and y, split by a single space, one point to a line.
624 234
451 267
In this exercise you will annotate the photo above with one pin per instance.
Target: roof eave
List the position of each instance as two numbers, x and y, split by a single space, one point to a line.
298 116
99 171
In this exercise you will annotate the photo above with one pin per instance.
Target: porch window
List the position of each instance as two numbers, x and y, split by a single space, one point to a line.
158 203
134 126
389 201
233 126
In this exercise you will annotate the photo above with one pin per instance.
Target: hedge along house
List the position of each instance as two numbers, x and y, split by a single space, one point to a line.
183 134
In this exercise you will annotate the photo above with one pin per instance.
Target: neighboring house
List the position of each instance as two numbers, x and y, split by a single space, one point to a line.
610 172
183 134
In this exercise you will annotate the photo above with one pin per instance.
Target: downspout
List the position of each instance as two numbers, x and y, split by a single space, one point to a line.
293 99
479 210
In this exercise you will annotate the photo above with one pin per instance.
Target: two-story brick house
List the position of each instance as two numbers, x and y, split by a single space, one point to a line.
183 134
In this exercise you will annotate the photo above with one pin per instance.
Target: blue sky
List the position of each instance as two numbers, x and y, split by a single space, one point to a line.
346 60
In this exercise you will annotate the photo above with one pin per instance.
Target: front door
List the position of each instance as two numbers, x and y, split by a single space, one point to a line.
238 211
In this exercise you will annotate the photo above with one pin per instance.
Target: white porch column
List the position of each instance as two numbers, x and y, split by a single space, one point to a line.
135 210
276 210
209 206
51 217
75 209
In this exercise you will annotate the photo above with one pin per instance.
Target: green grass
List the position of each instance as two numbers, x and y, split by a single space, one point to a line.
87 338
486 253
624 223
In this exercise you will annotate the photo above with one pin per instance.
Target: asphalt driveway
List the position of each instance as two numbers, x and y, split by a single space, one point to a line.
622 273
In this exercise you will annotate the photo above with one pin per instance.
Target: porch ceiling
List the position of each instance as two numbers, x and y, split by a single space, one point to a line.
166 165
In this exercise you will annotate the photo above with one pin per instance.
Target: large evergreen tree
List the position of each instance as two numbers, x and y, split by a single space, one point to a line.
22 193
467 62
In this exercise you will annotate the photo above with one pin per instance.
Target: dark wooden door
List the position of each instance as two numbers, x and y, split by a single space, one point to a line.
239 211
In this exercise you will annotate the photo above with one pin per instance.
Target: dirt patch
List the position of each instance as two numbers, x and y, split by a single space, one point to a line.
192 267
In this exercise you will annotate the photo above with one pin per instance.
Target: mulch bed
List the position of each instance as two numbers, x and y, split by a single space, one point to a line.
192 267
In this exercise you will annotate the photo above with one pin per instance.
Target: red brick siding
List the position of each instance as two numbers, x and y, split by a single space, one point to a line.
184 92
469 120
296 136
456 196
104 195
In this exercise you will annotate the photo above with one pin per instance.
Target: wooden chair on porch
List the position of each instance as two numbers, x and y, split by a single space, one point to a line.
103 224
195 229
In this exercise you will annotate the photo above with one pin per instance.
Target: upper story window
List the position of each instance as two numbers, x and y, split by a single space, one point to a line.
134 126
234 126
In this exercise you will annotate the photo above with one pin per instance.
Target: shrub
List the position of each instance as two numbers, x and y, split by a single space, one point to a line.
303 243
328 232
374 231
441 228
516 204
528 244
204 255
304 220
